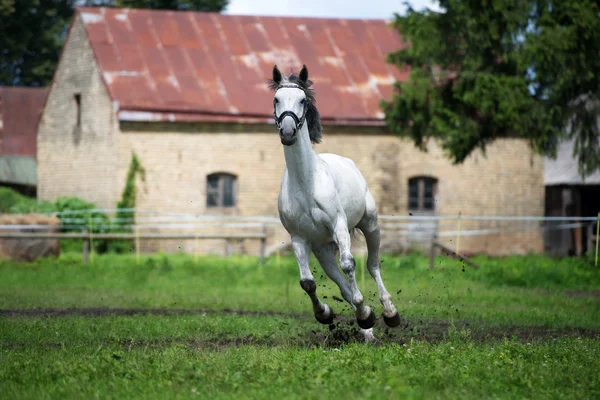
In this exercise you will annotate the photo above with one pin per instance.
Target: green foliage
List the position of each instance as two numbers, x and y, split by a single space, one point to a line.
128 196
31 36
196 5
87 219
32 33
129 193
487 70
12 202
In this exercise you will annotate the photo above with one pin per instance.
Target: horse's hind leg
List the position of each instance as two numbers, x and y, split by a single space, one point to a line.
325 254
323 313
370 228
364 315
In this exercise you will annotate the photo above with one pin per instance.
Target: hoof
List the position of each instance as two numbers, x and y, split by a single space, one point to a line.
392 322
325 318
367 323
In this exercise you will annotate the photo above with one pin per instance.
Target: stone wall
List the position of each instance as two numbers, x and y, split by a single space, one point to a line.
78 159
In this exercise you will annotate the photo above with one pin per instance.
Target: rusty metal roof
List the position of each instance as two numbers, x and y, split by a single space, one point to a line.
20 111
180 65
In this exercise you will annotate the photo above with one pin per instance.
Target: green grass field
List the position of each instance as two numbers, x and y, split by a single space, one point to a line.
172 327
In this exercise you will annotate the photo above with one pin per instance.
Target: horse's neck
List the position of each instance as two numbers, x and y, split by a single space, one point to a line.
301 160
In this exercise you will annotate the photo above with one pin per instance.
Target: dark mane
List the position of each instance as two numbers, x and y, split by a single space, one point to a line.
315 130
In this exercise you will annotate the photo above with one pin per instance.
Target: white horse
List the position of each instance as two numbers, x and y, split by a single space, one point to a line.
323 197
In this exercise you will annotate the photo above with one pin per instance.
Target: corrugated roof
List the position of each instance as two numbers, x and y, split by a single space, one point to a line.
20 111
564 169
174 65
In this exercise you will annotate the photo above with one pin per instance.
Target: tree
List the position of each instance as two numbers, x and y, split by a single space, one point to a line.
31 36
196 5
192 5
32 32
500 68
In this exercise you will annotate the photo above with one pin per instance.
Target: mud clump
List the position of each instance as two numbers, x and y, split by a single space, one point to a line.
340 333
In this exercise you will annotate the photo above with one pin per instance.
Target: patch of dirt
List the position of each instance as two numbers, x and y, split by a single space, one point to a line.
211 344
593 294
103 311
584 294
344 329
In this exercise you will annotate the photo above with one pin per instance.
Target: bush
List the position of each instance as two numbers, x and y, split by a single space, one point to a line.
127 202
82 220
13 202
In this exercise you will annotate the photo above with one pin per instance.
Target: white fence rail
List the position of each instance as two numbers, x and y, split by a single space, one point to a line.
148 224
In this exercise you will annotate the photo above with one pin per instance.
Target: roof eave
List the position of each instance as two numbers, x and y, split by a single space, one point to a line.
137 115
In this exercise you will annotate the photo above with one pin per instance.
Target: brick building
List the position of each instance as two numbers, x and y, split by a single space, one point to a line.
187 93
20 111
568 194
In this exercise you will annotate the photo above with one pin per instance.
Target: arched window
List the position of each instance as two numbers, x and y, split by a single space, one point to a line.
421 193
221 190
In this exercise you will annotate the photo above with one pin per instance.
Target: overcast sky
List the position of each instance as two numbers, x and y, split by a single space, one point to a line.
383 9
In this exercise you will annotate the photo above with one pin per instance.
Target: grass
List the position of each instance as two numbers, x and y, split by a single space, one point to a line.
491 295
562 369
207 353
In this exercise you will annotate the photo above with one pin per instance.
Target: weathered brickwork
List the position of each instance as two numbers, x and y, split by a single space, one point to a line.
78 161
508 180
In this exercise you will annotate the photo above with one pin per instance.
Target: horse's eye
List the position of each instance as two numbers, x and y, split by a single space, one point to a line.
276 100
302 101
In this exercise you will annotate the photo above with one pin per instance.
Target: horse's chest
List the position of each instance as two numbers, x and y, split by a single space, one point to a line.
304 217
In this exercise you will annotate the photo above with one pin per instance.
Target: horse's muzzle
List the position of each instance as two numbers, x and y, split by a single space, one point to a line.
288 136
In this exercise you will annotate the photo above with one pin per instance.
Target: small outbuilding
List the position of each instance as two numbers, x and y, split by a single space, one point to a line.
568 194
20 111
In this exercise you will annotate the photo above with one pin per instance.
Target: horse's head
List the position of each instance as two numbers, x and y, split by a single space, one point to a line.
294 105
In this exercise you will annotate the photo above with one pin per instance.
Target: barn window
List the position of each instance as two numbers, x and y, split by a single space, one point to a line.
421 193
221 190
77 98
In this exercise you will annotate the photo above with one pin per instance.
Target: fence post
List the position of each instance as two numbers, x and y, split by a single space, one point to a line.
263 244
137 244
432 248
91 236
196 249
597 238
432 255
590 239
276 243
136 239
458 234
85 250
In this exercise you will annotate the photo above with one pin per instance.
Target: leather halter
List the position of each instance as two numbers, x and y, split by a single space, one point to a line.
299 121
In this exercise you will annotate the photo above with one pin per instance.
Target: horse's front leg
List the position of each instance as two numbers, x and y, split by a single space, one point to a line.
323 312
326 256
364 314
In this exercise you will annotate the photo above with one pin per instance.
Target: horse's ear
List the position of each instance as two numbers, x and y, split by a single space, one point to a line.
304 74
276 75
